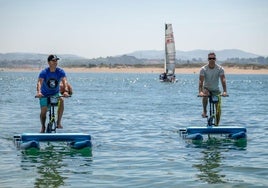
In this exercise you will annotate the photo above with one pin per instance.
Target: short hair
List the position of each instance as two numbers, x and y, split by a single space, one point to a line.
211 53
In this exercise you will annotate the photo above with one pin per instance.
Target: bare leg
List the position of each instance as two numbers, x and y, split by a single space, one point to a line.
205 103
60 112
43 116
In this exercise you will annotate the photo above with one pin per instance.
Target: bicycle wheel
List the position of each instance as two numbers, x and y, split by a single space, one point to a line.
211 121
54 126
49 127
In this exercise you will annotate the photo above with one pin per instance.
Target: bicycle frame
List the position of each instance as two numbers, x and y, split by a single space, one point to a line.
213 101
52 102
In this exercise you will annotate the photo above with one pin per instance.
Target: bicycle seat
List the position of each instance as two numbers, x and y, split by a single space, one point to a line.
54 100
214 99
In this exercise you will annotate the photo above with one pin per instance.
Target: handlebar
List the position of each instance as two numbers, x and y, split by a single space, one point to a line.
53 96
212 95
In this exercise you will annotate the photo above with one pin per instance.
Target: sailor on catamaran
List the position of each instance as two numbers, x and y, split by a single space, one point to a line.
209 84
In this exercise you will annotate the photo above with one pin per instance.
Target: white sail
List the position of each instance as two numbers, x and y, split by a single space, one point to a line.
169 50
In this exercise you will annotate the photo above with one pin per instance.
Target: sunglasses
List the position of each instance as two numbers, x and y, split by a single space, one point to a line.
212 58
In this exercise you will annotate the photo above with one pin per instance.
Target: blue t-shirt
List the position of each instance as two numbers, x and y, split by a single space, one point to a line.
51 83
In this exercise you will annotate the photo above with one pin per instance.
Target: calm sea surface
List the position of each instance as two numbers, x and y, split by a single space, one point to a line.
134 121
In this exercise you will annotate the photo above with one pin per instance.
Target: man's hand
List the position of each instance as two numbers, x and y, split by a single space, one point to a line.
224 94
38 95
66 94
202 94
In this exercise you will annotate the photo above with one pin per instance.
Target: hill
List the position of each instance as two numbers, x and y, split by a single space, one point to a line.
137 58
222 55
38 60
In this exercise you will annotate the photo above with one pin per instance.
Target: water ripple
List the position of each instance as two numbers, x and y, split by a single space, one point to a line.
134 121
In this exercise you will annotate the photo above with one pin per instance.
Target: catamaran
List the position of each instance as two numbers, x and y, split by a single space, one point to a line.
170 56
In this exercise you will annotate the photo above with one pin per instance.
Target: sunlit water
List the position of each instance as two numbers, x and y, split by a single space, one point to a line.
134 121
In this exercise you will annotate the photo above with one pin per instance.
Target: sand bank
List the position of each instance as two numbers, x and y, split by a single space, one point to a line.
146 70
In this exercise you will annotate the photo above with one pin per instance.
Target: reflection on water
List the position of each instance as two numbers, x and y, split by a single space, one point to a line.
211 160
50 164
209 168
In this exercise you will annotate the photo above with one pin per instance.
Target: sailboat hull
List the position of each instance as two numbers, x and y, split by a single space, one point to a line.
167 78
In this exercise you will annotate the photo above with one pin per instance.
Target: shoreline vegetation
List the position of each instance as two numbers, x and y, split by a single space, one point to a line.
249 69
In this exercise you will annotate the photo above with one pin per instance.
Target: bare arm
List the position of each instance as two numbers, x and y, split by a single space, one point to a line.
70 88
223 83
65 86
38 87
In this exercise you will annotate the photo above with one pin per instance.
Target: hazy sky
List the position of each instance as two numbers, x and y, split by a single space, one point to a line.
94 28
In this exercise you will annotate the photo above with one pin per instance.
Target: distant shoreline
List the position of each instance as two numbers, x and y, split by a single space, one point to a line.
147 70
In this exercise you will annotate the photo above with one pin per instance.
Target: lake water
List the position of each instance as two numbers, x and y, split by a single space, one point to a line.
134 121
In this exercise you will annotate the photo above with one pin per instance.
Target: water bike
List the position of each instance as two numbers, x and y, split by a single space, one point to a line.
31 140
212 127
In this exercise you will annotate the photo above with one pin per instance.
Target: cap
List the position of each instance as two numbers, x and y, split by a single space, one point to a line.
52 58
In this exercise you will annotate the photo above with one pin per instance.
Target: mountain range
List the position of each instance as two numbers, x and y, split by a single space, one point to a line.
17 56
222 55
144 57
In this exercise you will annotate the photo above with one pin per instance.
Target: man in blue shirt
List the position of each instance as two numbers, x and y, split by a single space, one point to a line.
48 84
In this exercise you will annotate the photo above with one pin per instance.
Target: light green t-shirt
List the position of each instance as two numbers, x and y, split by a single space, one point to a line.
212 77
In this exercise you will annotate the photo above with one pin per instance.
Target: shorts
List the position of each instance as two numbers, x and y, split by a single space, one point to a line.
43 101
214 92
